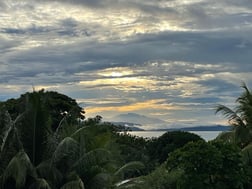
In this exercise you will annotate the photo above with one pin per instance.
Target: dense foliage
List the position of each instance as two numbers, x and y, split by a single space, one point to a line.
160 147
46 143
212 165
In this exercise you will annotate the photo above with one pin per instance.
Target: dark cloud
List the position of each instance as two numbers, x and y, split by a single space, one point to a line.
243 3
33 30
66 27
217 85
185 46
7 45
203 48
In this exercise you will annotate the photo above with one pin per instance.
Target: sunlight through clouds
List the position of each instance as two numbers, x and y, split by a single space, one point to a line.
116 72
157 104
129 84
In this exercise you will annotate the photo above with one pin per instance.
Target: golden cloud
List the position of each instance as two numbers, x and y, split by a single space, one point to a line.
159 104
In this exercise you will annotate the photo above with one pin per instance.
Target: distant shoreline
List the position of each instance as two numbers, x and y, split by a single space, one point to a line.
196 128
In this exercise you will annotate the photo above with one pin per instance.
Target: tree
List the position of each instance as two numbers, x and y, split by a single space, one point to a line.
160 147
240 118
211 165
58 105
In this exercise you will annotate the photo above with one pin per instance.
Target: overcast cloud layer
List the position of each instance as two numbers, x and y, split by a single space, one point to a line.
170 59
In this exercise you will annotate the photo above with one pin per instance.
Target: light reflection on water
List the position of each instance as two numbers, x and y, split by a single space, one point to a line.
206 135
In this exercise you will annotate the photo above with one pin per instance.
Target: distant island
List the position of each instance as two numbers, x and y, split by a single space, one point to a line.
137 122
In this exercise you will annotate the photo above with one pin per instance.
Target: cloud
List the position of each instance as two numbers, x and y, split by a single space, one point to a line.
91 3
190 54
153 104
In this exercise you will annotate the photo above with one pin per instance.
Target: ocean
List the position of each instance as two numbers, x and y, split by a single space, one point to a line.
206 135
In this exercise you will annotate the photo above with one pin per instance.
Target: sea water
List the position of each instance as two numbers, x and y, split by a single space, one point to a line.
206 135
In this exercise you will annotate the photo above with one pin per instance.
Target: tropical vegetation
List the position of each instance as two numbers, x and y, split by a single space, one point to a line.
46 142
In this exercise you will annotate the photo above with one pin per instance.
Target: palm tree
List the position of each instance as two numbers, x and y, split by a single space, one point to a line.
35 127
240 118
24 144
73 156
87 155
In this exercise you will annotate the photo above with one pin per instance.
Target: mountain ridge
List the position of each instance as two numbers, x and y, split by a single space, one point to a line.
137 119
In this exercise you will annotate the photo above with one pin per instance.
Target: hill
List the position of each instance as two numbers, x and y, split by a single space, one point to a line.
137 119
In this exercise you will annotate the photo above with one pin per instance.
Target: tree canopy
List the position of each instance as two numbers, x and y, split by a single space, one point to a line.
57 105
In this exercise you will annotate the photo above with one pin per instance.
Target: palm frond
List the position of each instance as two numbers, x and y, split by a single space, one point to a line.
65 130
9 132
131 166
84 138
68 147
6 127
232 116
95 157
247 92
244 107
80 132
10 143
19 167
240 117
101 180
40 184
76 184
52 175
135 183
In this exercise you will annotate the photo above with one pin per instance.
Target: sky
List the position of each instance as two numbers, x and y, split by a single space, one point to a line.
173 60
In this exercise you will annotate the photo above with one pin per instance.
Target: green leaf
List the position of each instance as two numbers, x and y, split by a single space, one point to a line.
101 180
131 166
40 184
66 153
76 184
49 172
96 157
19 167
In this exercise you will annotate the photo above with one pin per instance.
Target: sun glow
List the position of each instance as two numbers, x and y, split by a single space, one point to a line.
159 104
121 83
116 72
